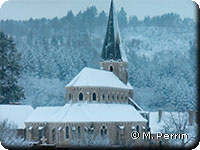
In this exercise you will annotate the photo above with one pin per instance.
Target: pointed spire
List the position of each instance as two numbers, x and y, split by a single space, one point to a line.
112 47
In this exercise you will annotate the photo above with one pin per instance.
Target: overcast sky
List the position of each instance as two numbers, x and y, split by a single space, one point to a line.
25 9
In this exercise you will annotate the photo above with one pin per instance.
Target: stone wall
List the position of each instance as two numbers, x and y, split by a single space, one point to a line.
103 94
119 68
114 133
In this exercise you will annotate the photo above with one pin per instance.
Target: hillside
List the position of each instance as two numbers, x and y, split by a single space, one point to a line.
161 51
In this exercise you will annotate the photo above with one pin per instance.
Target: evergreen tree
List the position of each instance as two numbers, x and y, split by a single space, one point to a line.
133 20
9 71
102 19
122 18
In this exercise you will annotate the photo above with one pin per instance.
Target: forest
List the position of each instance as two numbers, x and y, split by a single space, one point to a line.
161 51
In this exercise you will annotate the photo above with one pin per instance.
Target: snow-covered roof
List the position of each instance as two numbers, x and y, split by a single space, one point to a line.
89 112
43 114
97 78
15 114
157 126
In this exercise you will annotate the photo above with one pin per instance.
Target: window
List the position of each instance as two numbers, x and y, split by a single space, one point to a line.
67 132
53 135
79 130
40 134
117 97
94 96
108 97
91 129
30 129
70 96
111 68
103 130
113 97
122 97
25 134
137 128
80 96
103 96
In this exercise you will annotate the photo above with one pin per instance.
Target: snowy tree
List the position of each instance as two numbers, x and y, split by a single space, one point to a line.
10 69
161 58
89 139
178 123
8 135
43 91
133 21
122 18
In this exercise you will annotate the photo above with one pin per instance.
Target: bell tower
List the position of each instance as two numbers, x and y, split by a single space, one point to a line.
113 56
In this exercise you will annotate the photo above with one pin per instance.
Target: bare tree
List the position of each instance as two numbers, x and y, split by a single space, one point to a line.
178 123
8 134
89 139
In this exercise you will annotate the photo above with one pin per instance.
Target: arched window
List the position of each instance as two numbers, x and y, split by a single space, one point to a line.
67 132
113 97
79 130
103 96
80 96
25 134
137 128
70 96
103 130
111 68
94 96
53 135
108 97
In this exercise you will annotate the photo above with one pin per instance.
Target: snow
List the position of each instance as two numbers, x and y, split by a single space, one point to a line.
41 128
97 78
16 114
73 128
42 114
30 128
159 126
154 124
121 127
133 128
136 105
129 85
59 129
86 128
87 112
117 35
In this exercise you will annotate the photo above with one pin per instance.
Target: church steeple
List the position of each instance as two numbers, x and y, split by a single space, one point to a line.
112 47
113 57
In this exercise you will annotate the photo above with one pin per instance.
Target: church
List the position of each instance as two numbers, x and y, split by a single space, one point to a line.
99 108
